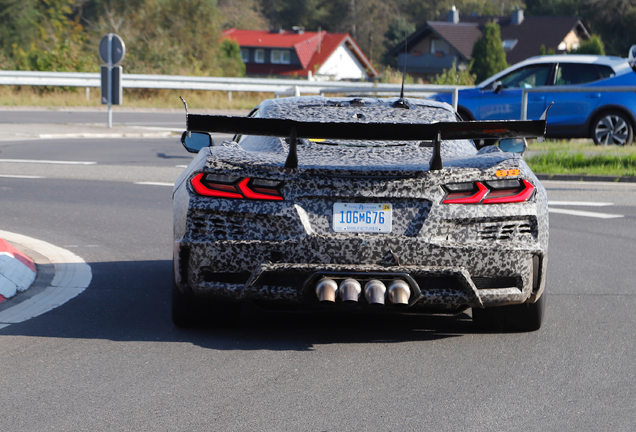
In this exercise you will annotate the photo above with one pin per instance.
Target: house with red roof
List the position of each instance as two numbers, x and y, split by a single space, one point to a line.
437 44
315 55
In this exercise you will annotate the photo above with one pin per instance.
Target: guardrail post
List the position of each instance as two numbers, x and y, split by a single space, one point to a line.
524 104
229 96
296 91
455 98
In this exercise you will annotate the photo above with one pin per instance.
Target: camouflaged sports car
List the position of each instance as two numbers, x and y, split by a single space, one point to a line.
380 205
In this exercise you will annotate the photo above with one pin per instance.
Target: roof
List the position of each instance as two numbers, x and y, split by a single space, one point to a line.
530 34
312 48
461 36
533 32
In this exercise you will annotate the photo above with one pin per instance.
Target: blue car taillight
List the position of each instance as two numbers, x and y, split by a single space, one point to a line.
220 186
490 192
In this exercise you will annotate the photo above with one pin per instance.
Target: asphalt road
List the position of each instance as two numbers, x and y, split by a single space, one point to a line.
110 359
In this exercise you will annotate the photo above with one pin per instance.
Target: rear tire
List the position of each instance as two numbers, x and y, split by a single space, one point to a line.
515 318
612 128
191 311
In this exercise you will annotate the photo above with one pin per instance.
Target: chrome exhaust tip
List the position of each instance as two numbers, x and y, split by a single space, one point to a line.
350 290
326 290
399 292
374 291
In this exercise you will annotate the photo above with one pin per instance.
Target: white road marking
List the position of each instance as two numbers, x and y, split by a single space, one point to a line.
21 176
580 203
584 213
72 277
155 184
37 161
181 166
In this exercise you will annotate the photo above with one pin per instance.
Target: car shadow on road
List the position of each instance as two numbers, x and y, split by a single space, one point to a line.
130 301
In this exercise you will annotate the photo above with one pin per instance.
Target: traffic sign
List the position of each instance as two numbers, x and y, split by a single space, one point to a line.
118 50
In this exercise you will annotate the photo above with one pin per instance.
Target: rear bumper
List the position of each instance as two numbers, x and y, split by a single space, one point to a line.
441 277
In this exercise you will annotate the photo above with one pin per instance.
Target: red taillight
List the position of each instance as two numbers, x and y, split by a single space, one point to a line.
227 187
511 195
492 192
470 197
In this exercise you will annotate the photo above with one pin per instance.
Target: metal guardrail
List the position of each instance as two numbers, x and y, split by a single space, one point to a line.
178 82
567 89
267 85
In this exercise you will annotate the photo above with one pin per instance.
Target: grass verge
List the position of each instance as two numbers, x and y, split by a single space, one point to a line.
133 98
581 157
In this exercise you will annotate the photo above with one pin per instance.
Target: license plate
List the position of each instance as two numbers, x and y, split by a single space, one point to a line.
356 217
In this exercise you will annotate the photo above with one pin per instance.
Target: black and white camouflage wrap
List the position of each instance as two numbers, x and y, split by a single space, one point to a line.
460 255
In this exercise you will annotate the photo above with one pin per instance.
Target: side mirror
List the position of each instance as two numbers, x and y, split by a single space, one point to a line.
513 145
497 86
631 57
196 141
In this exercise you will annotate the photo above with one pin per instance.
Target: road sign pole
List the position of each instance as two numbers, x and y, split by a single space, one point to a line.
110 80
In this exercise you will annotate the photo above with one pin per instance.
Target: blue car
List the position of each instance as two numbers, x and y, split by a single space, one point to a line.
606 117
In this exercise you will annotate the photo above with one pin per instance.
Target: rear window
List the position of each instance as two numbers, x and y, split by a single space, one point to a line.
577 73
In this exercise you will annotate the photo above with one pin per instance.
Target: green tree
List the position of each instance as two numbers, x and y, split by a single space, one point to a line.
455 76
243 14
230 59
593 46
18 24
172 37
398 30
61 42
488 54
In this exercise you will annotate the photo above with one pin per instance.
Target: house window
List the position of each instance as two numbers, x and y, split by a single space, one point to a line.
245 55
439 46
280 56
509 44
259 56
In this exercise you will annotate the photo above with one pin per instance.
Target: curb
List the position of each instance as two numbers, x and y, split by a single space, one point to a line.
586 178
17 271
61 276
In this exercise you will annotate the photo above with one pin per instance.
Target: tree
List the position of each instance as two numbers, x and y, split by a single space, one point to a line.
488 54
230 59
18 24
242 14
455 76
593 46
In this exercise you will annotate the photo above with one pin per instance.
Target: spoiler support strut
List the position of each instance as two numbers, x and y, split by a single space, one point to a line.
436 159
292 157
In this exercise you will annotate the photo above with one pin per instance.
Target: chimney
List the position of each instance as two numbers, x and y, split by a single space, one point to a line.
517 16
453 15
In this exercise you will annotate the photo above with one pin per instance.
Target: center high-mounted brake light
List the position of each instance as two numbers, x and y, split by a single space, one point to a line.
490 192
236 187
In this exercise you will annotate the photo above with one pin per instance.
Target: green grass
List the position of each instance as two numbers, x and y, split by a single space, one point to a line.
133 98
581 157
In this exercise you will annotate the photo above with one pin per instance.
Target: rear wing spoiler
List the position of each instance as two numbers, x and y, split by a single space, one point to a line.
366 131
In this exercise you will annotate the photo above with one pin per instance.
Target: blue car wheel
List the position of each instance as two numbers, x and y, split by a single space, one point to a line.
612 128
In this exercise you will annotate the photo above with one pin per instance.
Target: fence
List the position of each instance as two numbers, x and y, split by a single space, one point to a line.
177 82
267 85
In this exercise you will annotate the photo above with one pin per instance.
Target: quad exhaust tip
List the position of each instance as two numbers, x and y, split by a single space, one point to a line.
399 293
350 291
374 291
326 290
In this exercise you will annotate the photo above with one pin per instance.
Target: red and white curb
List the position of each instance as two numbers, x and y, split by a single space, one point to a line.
17 271
72 277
